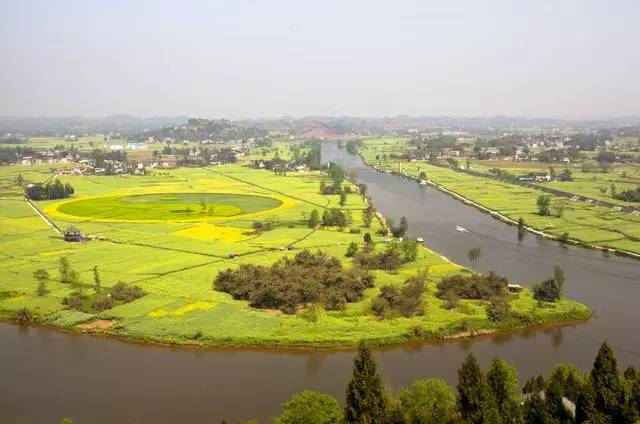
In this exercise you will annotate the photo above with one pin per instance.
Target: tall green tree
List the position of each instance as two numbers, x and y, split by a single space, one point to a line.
96 279
472 392
586 410
553 397
609 391
365 403
543 202
502 382
474 255
367 215
403 227
42 277
67 274
314 218
343 198
558 276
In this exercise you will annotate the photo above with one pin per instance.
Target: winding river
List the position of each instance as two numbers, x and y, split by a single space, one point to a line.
48 374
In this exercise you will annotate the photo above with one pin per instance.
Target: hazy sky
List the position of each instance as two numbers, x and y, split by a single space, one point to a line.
573 59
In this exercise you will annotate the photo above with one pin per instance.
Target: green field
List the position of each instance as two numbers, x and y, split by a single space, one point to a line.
587 223
594 185
166 206
175 260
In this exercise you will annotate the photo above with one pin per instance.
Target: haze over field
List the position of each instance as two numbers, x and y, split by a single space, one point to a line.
570 59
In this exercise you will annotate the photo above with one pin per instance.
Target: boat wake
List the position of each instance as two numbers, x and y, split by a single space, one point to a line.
463 230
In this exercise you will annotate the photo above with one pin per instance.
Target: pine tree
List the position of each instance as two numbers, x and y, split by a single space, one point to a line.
553 397
472 391
365 402
586 411
609 391
535 411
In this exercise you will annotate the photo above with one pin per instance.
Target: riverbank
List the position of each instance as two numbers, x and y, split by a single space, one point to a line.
568 319
577 217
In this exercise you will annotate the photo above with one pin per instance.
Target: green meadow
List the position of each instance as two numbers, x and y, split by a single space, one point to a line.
174 257
587 223
167 206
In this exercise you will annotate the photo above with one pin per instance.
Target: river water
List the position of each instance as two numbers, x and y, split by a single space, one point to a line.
48 374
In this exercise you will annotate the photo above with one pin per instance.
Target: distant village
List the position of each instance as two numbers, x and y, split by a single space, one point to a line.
117 156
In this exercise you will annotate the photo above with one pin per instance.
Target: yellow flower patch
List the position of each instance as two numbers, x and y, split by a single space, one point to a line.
163 313
210 232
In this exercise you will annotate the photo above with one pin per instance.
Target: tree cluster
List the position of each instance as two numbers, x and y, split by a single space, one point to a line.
492 397
630 195
391 258
473 286
49 191
289 283
335 217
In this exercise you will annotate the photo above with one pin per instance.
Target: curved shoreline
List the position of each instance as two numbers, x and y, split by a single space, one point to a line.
390 343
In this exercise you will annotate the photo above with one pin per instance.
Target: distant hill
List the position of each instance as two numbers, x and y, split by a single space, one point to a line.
124 124
196 129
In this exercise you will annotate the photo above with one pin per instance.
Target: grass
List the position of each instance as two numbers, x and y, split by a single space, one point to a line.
588 223
176 260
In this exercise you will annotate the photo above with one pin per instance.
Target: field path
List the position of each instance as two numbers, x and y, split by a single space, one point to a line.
43 216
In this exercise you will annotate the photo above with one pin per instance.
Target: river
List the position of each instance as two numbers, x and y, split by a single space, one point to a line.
48 374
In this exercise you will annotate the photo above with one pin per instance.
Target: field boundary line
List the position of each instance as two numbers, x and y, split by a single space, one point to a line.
265 188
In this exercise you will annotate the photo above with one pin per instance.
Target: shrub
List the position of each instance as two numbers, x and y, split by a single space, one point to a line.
104 304
261 226
498 309
352 249
24 316
74 301
406 301
310 408
125 293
